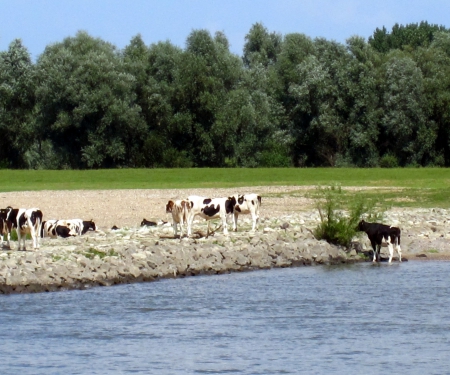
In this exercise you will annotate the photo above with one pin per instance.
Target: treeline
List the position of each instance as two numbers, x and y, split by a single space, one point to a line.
289 100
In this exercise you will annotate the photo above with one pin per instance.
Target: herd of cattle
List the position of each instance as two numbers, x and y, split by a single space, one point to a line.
183 213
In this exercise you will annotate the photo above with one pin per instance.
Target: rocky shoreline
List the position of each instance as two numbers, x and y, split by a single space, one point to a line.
134 254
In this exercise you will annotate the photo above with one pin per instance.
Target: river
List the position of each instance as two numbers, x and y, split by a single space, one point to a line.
352 319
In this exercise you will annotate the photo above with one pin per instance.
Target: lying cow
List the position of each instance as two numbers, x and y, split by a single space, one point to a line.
380 234
147 223
208 209
57 228
25 221
81 226
179 210
247 204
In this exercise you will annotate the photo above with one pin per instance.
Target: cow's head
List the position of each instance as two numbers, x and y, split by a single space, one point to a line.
169 206
361 226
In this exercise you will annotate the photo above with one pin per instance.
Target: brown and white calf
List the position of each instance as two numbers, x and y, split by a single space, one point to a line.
179 210
25 220
3 226
247 204
209 209
380 234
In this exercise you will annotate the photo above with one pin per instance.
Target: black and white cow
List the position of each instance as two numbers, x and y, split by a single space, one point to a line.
380 234
210 208
247 204
25 220
80 226
180 210
57 228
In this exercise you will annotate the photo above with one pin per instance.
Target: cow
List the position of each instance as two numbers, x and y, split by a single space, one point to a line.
57 228
179 210
247 204
208 209
382 234
146 223
80 226
3 226
25 220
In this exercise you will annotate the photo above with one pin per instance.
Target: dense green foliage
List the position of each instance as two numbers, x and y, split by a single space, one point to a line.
339 216
289 101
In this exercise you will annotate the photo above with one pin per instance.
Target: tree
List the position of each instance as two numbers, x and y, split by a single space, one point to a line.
410 36
408 133
261 47
16 105
206 74
87 104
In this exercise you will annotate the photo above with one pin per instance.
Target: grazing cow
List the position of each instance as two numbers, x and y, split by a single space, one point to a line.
382 234
247 204
179 210
57 228
210 208
25 221
146 223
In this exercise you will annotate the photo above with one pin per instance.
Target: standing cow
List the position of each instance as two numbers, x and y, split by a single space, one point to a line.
25 220
3 225
210 208
380 234
247 204
180 210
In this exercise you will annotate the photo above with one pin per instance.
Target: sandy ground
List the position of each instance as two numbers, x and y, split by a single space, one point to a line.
127 208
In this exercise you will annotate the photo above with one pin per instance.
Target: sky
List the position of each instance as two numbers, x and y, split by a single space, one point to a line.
39 23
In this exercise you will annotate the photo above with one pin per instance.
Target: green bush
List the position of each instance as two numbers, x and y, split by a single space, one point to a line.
388 161
339 215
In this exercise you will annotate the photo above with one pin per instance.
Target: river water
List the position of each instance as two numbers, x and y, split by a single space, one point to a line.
354 319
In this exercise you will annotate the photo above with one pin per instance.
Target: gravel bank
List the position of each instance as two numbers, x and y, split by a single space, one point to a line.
134 254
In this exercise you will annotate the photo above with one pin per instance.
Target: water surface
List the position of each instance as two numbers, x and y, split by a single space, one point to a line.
357 319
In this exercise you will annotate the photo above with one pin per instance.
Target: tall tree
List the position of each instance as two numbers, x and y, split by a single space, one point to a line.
413 36
408 133
208 71
261 47
16 105
87 103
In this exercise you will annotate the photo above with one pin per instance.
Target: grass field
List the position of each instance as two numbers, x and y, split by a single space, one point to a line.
424 187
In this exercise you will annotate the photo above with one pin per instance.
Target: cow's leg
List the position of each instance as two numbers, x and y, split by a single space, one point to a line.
175 225
235 219
254 218
399 251
207 230
225 225
391 251
35 236
20 239
374 247
181 228
190 219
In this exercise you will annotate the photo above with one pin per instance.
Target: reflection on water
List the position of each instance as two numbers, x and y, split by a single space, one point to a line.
359 319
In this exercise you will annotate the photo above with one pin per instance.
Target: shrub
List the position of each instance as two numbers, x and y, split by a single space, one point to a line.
340 215
388 161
